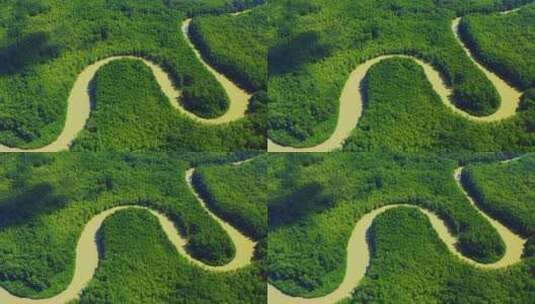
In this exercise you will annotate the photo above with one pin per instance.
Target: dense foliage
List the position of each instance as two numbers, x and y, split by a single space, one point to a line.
196 7
131 113
505 43
237 45
139 265
320 42
241 202
315 200
46 200
403 113
45 44
424 271
506 192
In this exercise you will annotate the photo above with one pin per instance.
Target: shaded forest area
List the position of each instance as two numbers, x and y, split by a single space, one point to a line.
505 191
504 43
237 45
243 202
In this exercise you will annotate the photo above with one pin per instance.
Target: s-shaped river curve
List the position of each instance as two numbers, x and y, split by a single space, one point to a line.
79 101
87 251
351 99
358 251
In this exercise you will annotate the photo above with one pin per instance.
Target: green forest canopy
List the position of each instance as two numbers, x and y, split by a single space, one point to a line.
315 200
46 200
44 44
320 42
404 113
132 114
505 42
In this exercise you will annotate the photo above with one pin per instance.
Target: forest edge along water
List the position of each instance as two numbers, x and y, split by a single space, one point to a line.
79 101
87 256
352 100
358 251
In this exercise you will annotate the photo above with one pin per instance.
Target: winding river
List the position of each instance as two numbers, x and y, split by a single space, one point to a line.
358 251
87 251
79 101
351 99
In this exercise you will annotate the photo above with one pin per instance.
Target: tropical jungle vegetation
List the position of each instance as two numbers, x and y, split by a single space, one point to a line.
403 113
132 113
44 44
244 207
320 42
511 204
46 200
138 255
426 272
242 55
314 201
504 43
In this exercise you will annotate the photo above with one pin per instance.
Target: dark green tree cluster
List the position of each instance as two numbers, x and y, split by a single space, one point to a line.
504 43
237 193
237 45
506 192
216 7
